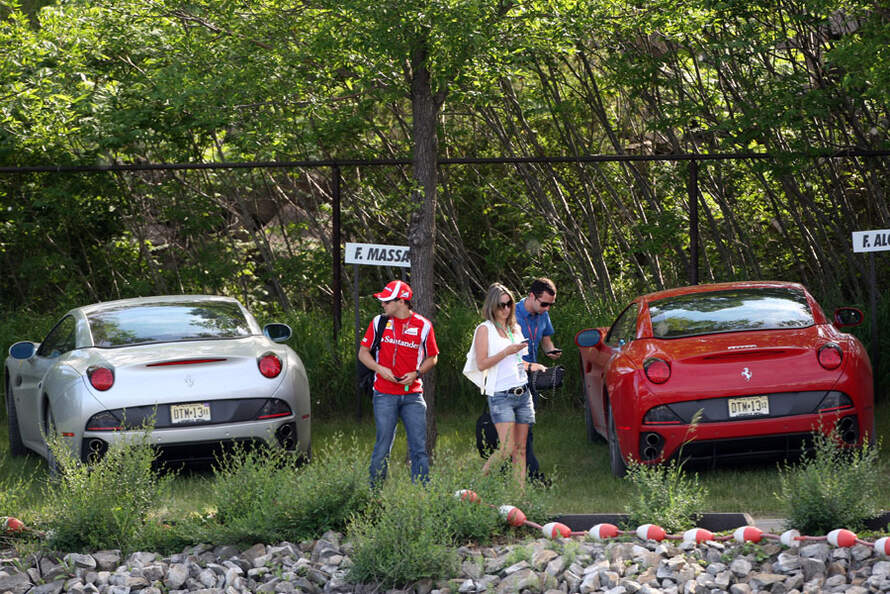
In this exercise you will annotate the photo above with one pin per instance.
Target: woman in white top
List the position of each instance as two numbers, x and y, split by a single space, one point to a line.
499 347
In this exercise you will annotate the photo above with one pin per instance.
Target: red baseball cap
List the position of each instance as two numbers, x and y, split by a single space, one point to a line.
395 290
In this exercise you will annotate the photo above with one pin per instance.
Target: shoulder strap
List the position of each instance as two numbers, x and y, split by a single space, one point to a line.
378 334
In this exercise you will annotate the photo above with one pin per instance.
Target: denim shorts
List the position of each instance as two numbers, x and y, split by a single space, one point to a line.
507 408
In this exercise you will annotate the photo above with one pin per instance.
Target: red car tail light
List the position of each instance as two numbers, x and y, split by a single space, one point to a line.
104 421
657 370
270 365
661 415
834 401
830 356
101 378
273 409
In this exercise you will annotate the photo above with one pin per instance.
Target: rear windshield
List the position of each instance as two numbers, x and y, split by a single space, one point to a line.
167 322
729 311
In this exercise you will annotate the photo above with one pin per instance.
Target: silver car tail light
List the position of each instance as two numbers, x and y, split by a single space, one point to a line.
270 365
101 378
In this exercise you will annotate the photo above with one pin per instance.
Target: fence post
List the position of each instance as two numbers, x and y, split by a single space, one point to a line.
692 188
335 252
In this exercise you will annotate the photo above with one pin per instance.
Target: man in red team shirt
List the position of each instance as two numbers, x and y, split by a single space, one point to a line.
407 351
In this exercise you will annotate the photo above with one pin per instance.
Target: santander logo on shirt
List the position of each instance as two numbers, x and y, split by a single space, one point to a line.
404 343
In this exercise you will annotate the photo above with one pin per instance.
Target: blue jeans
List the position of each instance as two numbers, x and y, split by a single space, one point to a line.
387 410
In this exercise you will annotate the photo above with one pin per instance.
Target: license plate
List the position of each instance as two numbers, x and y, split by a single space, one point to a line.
189 413
750 406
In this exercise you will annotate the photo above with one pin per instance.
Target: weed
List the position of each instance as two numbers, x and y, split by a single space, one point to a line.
104 505
834 486
405 540
518 554
411 531
263 495
665 495
570 551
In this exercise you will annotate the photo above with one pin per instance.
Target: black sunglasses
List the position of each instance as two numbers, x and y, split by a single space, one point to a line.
544 303
505 303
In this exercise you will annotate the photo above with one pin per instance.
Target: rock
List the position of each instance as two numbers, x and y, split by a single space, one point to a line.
541 558
740 567
84 561
516 567
177 574
556 566
787 562
763 581
472 568
818 550
49 588
107 560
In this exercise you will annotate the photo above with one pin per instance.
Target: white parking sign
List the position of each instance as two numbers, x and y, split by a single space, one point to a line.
877 240
377 254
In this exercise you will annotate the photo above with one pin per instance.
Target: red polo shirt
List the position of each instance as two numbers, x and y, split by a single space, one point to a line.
403 347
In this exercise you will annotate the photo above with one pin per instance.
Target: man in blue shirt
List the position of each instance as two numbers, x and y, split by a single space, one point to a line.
532 314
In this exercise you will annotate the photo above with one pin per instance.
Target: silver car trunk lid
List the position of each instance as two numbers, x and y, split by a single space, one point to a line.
187 372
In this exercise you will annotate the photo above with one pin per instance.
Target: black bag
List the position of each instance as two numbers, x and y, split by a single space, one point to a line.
365 376
486 435
549 379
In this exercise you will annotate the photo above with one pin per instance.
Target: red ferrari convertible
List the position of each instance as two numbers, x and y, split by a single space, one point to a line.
724 371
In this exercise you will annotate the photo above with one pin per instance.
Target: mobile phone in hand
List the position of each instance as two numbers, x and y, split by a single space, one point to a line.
401 377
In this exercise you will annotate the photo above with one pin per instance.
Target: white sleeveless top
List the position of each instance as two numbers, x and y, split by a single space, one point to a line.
510 371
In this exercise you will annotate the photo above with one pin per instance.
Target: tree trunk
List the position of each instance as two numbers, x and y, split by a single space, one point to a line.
422 227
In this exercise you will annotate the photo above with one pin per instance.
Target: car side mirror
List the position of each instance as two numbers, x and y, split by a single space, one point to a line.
277 332
588 338
847 317
22 350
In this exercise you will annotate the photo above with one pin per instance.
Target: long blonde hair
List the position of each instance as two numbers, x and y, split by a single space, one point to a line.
493 298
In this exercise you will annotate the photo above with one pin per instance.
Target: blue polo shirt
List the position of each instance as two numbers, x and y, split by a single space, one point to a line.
534 328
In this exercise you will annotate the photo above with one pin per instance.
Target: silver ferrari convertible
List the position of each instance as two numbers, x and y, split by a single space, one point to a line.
197 368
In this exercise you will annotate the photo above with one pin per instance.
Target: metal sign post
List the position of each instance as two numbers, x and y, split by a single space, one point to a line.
876 240
370 254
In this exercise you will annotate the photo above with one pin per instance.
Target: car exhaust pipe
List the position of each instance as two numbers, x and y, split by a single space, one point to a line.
287 436
93 449
651 446
848 430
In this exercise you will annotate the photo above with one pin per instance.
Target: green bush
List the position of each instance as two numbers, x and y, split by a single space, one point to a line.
834 486
664 494
263 495
412 530
107 504
404 539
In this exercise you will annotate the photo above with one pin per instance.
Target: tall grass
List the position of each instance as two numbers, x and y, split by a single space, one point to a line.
414 529
835 486
105 505
263 495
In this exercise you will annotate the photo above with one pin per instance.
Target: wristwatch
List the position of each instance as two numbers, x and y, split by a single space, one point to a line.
418 372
